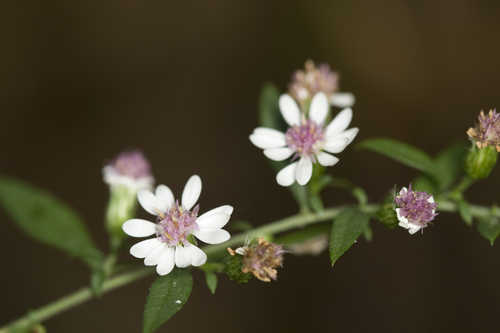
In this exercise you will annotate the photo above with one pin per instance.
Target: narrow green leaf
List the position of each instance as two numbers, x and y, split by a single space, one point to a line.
368 233
451 164
489 228
346 228
48 220
167 295
464 211
402 152
211 279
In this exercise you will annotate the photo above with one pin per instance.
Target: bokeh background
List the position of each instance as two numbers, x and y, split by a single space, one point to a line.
83 80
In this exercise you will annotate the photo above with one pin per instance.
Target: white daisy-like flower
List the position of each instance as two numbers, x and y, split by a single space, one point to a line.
174 225
307 140
129 169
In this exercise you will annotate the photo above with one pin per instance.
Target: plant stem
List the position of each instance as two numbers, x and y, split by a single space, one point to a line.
292 222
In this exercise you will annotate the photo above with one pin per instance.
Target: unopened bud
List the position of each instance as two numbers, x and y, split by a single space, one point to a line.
480 161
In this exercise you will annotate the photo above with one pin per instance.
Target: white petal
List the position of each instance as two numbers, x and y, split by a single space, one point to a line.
403 190
326 159
401 218
150 203
319 108
182 258
212 236
189 255
339 123
286 176
139 228
153 258
166 261
413 228
165 196
213 221
278 154
198 257
336 144
431 199
142 249
191 192
289 110
304 170
226 209
350 134
265 138
342 100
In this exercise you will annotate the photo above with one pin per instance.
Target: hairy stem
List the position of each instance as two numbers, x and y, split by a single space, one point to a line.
296 221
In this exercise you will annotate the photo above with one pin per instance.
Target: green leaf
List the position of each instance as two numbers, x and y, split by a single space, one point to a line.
424 184
402 152
464 211
303 235
489 228
241 226
167 295
346 228
211 279
269 113
368 233
48 220
451 164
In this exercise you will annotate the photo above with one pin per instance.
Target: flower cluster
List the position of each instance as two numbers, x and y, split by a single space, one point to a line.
487 131
307 140
261 259
414 209
175 225
314 79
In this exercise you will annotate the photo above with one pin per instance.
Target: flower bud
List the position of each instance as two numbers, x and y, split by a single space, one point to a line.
127 174
480 161
387 215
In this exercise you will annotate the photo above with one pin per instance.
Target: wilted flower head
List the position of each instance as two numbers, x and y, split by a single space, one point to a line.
487 130
131 169
261 259
314 79
307 140
414 209
175 226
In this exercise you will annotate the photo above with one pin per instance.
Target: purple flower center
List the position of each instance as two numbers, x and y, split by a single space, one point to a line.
177 224
305 139
132 164
490 127
416 206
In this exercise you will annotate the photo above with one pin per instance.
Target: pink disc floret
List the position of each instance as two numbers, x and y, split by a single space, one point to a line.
177 224
305 139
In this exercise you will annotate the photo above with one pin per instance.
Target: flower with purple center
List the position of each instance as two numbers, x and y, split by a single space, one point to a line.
487 130
175 225
314 79
414 209
307 140
130 169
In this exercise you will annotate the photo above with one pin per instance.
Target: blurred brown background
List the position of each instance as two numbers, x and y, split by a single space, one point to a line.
82 80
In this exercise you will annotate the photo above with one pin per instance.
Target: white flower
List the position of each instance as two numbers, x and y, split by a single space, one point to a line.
414 209
129 169
175 224
308 140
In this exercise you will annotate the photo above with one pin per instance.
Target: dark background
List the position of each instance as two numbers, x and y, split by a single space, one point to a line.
82 80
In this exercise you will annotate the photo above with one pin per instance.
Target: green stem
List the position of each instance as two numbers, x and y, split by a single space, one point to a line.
292 222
